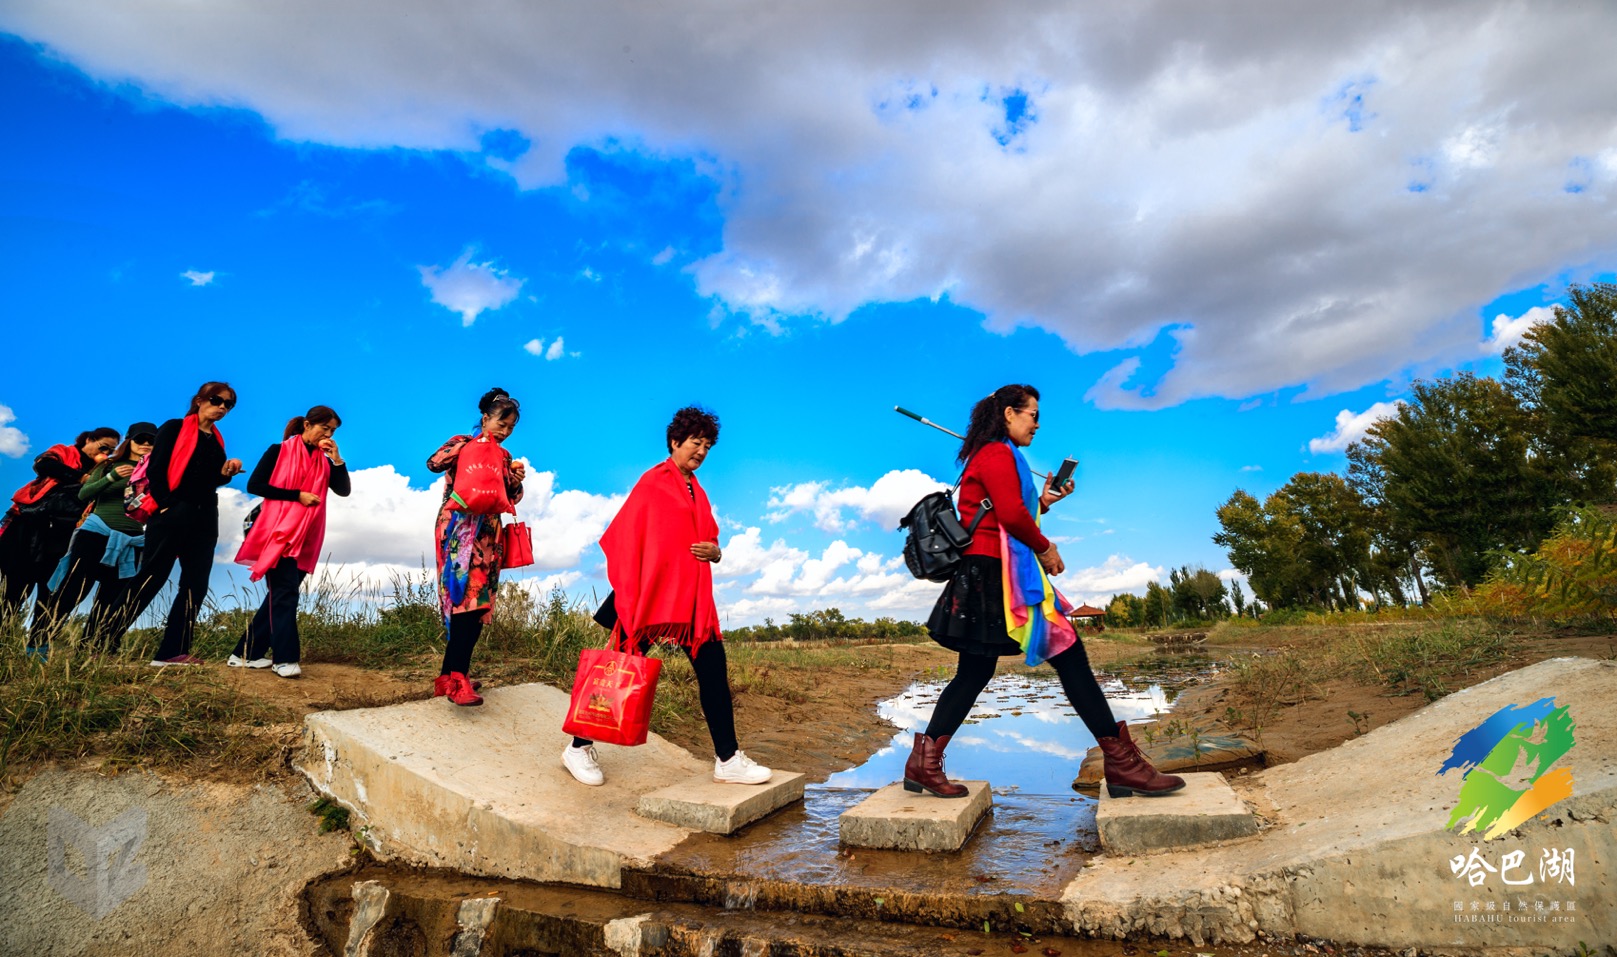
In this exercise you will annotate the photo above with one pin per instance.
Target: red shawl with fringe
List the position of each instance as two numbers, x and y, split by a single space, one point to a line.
663 592
184 445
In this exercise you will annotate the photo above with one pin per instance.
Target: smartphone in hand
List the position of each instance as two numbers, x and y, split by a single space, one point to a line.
1064 474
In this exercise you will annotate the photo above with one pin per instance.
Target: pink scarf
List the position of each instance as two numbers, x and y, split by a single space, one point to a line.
290 529
185 444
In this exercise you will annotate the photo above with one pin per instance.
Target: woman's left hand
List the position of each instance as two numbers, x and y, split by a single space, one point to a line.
329 446
1052 493
707 551
232 467
518 470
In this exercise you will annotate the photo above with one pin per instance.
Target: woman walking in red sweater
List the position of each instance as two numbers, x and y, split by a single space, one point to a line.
1001 602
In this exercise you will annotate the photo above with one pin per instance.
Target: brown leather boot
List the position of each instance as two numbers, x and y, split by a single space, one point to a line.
1129 773
924 770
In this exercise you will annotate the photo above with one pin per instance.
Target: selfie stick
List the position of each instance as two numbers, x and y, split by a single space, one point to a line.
925 421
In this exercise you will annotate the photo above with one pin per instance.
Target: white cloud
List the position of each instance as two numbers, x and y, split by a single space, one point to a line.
1282 186
884 503
1251 468
535 347
1097 584
664 257
470 288
1351 426
198 278
555 350
13 441
1506 331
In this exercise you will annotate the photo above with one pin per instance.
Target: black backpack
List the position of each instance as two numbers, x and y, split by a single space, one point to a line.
936 539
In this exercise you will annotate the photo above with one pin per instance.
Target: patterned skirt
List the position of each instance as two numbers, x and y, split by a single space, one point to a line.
970 614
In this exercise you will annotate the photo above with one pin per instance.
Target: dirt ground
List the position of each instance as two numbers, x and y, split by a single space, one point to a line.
229 848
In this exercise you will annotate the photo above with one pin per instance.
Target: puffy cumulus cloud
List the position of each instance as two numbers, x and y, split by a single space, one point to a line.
552 352
1506 332
1351 426
1119 573
470 288
887 500
1322 194
198 278
13 441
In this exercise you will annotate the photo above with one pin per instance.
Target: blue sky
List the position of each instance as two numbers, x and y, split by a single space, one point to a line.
165 221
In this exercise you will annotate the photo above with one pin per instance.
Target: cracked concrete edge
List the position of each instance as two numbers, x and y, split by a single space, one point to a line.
1219 906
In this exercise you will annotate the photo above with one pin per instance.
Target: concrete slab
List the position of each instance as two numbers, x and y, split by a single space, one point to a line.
896 819
1356 849
482 790
703 804
1206 810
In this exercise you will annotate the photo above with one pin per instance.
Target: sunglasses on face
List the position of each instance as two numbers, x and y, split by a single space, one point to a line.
219 400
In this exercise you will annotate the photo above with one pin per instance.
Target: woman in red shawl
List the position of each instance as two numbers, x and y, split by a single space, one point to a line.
660 551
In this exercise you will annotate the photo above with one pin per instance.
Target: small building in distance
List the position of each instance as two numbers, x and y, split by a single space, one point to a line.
1088 616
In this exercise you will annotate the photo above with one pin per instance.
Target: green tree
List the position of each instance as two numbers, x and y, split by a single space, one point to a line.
1562 373
1307 545
1158 605
1457 475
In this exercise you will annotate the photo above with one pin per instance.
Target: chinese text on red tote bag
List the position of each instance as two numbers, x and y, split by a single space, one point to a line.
480 478
612 696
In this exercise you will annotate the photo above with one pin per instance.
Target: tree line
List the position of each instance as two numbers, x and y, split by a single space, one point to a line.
1468 473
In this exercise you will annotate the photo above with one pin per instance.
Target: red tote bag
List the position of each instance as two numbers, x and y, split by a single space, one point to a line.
516 546
480 478
612 696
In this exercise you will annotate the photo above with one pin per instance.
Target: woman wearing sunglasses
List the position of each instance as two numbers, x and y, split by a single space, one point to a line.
188 464
36 530
1001 602
105 552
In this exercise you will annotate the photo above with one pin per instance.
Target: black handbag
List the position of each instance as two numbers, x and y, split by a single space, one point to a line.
936 540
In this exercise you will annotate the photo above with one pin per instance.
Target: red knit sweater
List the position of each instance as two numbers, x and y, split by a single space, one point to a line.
991 474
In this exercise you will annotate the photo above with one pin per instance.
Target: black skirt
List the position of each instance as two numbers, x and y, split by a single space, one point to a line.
969 617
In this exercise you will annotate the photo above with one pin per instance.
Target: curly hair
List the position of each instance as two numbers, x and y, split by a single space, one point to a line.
499 403
693 422
988 417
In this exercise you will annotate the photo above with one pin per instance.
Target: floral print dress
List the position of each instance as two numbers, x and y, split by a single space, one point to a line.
469 546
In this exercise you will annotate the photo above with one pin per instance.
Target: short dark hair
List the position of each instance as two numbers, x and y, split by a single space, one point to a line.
693 421
499 403
988 417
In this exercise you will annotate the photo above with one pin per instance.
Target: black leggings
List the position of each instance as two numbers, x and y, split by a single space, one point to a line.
713 686
464 629
1071 666
185 533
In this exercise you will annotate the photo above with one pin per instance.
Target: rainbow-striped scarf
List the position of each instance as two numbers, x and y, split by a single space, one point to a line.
1035 613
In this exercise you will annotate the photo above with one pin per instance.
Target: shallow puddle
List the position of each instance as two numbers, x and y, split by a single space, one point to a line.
1023 737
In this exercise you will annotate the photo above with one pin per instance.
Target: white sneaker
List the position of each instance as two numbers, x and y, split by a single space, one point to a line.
583 764
740 769
236 661
288 670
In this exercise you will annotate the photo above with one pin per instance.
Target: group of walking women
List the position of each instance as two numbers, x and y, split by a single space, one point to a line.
660 550
115 518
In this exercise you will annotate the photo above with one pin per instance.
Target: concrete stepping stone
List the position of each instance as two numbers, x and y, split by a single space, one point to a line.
1204 811
703 804
896 819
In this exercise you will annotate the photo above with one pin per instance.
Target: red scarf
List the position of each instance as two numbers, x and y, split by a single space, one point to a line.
36 489
663 592
290 528
185 445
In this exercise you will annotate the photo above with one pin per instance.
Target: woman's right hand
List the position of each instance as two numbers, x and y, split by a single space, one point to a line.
308 498
123 471
1051 560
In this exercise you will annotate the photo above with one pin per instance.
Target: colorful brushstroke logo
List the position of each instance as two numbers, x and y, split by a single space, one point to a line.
1506 760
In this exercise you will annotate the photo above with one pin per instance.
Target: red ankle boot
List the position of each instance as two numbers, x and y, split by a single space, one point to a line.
1128 772
460 691
924 770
